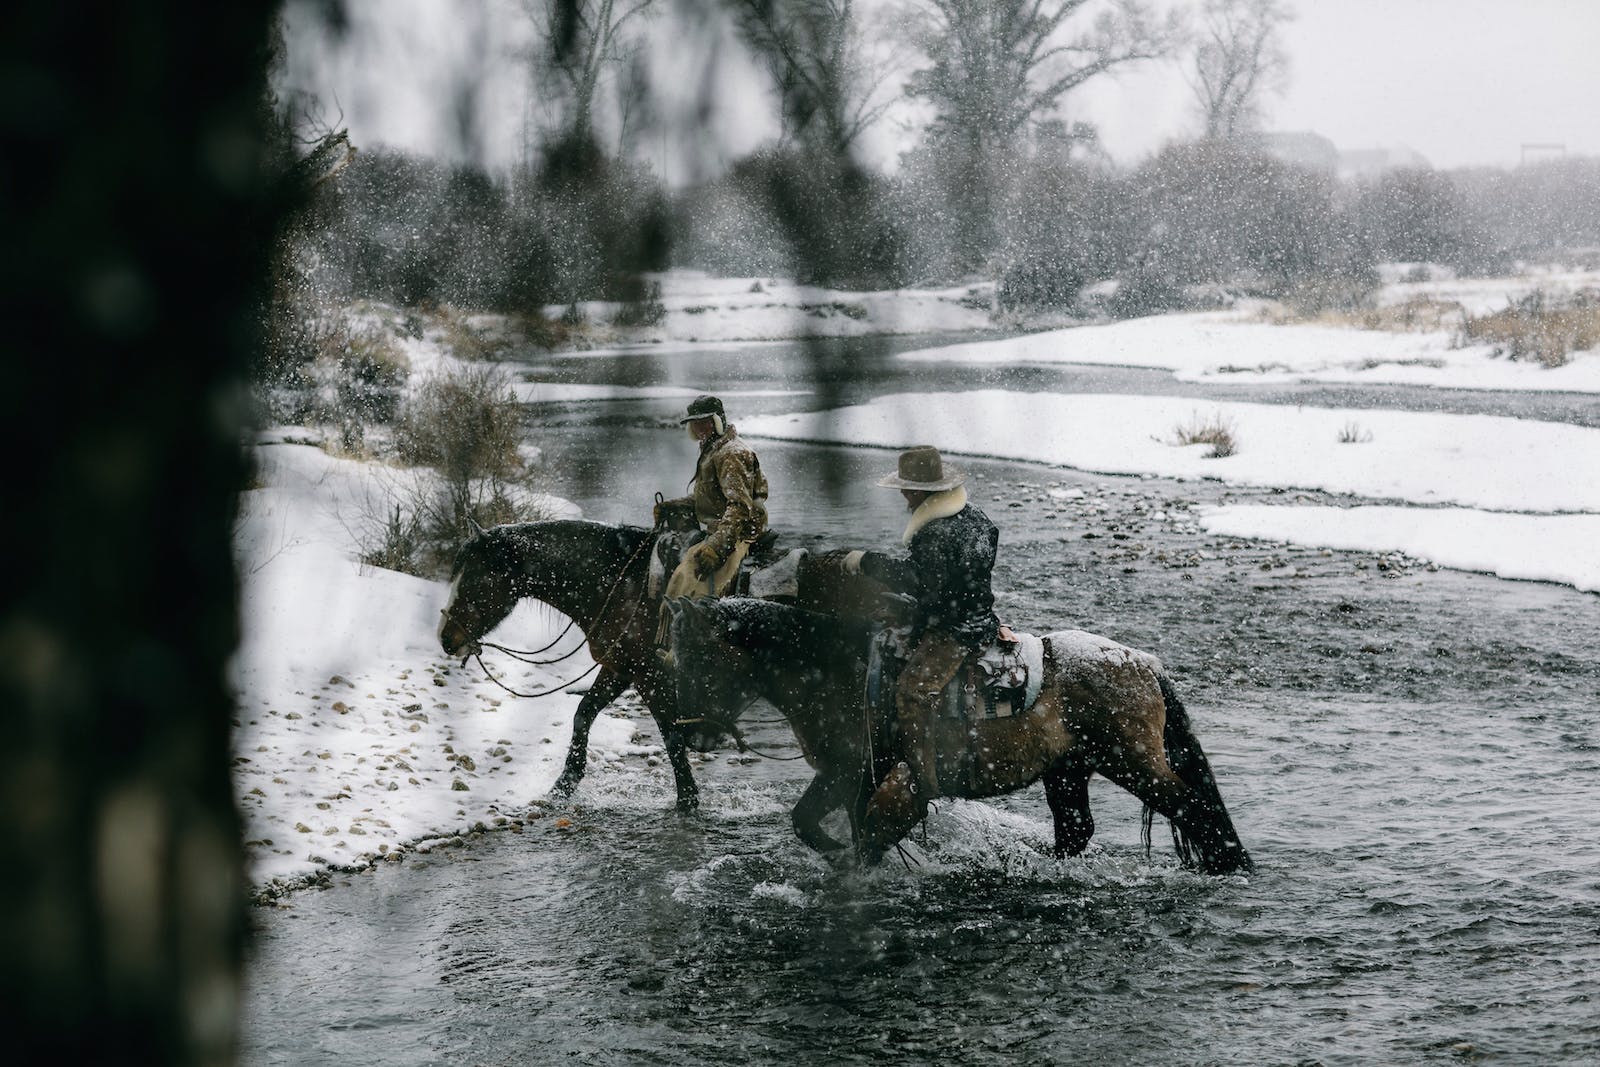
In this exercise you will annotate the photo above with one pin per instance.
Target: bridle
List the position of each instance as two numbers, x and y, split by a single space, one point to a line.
473 649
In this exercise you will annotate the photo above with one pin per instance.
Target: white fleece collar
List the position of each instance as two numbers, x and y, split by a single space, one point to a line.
940 505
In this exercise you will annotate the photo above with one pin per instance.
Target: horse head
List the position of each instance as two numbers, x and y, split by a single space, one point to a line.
711 674
483 590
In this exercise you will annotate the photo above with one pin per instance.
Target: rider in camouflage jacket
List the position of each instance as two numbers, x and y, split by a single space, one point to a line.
730 501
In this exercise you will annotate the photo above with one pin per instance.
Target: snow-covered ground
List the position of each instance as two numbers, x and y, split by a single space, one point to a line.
1559 548
1479 296
559 393
355 737
702 308
1227 347
1477 462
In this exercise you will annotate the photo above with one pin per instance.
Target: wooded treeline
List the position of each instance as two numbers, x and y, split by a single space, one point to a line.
1001 182
410 230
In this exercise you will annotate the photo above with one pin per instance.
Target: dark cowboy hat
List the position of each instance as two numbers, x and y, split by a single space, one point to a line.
703 407
923 468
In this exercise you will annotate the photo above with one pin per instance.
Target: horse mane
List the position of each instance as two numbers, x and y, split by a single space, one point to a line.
505 544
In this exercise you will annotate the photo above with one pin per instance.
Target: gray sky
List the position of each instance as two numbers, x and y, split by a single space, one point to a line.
1461 81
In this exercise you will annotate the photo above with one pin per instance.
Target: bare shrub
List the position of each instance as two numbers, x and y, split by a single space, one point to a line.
1541 327
368 372
536 329
466 341
1336 294
466 425
1352 433
1419 314
396 547
1217 431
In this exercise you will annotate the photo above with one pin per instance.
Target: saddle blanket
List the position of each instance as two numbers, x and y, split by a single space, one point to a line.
1001 681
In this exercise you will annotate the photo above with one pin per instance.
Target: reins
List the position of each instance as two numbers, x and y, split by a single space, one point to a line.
526 657
731 726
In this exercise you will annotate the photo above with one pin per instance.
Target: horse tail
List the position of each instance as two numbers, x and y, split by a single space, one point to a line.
1209 840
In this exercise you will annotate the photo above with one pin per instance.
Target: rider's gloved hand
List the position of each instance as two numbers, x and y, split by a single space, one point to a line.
703 557
852 561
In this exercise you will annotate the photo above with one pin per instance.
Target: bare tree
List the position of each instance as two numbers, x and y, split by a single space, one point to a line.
1238 59
576 40
831 91
1000 67
995 66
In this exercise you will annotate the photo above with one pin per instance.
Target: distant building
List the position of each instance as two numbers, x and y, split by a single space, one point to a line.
1371 162
1302 148
1306 149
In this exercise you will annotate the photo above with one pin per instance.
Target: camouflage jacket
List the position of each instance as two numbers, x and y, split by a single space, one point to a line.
730 492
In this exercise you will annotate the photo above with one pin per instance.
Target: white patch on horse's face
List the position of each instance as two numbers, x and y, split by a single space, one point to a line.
444 616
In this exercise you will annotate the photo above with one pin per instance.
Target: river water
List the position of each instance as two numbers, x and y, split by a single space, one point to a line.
1412 756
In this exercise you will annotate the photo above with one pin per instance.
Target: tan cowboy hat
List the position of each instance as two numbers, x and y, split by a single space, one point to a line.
923 468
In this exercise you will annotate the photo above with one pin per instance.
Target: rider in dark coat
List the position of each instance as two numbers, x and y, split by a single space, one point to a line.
952 547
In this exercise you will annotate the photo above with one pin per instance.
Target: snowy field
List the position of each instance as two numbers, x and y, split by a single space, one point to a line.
1226 347
1549 473
1480 296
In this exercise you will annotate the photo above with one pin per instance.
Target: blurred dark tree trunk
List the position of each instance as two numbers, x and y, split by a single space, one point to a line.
137 225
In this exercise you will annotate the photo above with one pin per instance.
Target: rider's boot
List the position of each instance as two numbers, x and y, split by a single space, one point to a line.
663 649
896 806
921 758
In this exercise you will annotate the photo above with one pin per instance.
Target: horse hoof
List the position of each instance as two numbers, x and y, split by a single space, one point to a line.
688 805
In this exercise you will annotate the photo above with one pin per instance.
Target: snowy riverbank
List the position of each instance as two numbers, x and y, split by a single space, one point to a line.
696 307
1227 348
1480 464
355 738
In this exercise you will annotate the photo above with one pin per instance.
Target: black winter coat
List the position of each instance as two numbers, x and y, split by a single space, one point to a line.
947 571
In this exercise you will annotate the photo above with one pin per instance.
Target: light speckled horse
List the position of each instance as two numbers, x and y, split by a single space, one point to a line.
1102 707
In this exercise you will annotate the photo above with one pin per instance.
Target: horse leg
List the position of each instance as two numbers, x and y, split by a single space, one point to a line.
660 697
607 687
678 759
823 795
1066 788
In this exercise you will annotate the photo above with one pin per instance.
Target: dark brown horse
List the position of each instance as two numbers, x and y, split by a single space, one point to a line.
597 575
1103 707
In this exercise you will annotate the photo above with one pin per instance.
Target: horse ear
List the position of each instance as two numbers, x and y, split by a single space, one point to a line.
477 530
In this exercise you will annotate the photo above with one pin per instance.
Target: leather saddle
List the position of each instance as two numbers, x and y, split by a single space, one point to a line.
996 682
